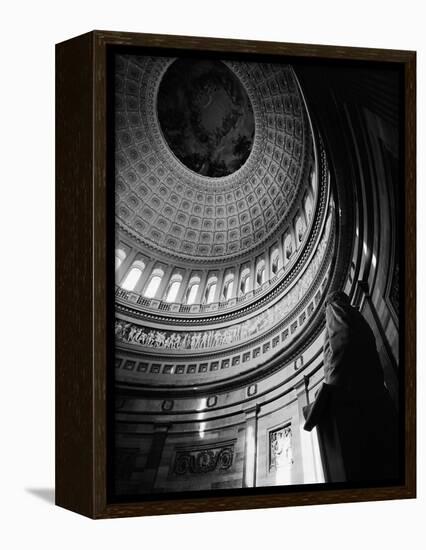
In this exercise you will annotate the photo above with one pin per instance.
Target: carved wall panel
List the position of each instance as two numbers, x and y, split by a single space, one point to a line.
280 448
203 460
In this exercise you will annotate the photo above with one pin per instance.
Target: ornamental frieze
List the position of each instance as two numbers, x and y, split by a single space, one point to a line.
203 461
131 333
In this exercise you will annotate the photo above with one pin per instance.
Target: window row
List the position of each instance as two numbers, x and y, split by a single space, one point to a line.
136 271
250 277
150 288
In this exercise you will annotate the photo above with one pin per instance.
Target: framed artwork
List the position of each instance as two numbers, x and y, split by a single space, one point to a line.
235 274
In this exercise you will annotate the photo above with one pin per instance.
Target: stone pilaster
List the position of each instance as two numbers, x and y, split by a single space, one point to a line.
154 457
250 447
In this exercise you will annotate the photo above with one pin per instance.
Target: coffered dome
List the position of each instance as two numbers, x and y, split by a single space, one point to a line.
168 198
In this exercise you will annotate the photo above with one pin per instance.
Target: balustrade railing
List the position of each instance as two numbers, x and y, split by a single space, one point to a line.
162 305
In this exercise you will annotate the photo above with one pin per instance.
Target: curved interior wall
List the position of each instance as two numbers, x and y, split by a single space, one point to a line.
358 117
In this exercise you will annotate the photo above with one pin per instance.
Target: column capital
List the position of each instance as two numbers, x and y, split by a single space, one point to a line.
302 384
251 411
162 427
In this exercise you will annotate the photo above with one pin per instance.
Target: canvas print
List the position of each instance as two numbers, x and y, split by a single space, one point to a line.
257 327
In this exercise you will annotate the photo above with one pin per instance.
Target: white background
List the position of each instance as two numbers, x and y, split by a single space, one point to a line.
29 31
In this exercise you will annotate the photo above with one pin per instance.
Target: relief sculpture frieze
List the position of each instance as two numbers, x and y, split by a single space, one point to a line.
203 461
131 333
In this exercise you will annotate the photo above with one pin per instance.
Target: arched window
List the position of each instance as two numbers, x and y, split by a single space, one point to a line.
245 281
228 285
119 257
260 273
308 208
288 247
210 291
154 283
133 275
300 229
173 287
313 179
191 291
275 261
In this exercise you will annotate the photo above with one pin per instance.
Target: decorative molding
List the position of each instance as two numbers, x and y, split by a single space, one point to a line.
211 401
252 390
291 347
298 362
167 405
181 341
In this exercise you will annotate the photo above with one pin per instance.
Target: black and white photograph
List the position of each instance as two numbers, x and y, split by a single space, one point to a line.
258 319
212 221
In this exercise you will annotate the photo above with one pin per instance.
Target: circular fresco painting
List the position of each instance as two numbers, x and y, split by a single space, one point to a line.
206 116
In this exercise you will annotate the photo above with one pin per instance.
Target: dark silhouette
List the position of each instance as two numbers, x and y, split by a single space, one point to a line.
356 419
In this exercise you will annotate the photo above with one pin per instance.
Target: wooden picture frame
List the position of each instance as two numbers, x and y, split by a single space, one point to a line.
83 279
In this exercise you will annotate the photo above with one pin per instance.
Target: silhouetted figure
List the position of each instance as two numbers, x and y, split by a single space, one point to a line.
354 414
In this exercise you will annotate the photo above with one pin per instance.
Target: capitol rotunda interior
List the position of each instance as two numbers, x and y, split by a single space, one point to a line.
245 192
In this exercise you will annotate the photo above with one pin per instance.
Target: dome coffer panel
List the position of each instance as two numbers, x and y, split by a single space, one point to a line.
190 215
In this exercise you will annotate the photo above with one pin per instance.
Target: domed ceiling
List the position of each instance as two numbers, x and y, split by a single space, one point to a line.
209 154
